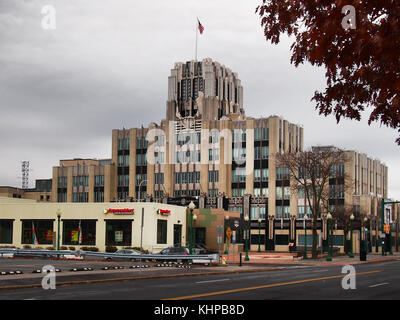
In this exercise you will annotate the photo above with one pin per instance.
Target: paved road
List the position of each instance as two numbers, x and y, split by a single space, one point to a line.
373 281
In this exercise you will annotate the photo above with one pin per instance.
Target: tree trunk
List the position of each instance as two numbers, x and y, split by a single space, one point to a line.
315 238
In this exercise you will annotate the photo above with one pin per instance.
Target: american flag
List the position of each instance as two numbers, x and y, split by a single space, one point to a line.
201 28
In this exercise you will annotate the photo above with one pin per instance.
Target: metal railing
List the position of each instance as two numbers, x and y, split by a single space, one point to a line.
105 255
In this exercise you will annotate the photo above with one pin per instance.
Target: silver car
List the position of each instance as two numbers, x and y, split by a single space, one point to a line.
130 252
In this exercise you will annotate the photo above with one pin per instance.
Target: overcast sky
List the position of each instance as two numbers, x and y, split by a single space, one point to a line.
107 63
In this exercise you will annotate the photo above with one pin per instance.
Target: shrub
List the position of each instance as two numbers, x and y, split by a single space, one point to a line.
27 246
49 248
63 248
94 249
71 248
111 249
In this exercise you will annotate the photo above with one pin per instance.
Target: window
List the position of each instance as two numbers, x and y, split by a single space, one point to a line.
282 240
279 193
42 230
119 233
80 197
265 152
264 192
79 232
264 175
214 136
123 144
161 231
213 176
254 213
300 193
257 192
99 196
99 181
257 153
309 240
282 212
6 231
263 212
286 193
257 175
279 173
300 212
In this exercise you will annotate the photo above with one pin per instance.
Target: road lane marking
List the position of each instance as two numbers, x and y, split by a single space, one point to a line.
379 284
208 281
194 296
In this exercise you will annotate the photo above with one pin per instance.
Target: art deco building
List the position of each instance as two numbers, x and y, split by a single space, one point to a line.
208 151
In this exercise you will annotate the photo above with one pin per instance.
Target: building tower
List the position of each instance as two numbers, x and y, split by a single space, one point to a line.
25 174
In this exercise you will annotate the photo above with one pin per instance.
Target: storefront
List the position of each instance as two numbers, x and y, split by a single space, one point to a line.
97 225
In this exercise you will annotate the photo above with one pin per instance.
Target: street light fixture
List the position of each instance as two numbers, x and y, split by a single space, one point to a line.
351 236
227 240
259 234
140 185
192 206
329 217
305 237
246 219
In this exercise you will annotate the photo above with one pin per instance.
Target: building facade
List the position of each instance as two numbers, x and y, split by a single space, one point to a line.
208 151
25 223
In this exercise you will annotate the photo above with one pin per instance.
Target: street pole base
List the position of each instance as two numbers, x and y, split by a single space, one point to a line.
329 259
351 256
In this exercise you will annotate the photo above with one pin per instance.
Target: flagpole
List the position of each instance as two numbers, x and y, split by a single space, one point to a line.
197 34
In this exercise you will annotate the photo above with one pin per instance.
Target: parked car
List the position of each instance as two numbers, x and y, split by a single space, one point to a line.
72 256
175 251
9 254
130 252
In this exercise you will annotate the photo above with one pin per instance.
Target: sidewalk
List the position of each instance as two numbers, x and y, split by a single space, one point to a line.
267 258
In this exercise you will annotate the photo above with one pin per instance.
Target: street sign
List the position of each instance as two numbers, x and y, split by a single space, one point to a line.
388 214
229 232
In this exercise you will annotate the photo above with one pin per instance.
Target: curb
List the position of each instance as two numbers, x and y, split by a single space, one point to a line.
71 283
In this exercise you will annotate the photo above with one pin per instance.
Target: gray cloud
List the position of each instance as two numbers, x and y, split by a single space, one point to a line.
107 64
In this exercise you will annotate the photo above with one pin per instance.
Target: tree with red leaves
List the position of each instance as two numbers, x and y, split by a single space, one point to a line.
362 61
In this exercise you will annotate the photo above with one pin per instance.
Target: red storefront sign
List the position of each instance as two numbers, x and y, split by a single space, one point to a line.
164 212
119 211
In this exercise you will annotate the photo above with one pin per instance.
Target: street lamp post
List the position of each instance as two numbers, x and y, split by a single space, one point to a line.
140 185
191 208
227 240
58 229
194 233
365 235
329 217
246 219
259 234
305 237
351 236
